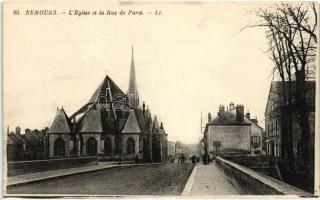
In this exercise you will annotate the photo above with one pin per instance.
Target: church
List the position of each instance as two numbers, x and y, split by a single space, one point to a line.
112 124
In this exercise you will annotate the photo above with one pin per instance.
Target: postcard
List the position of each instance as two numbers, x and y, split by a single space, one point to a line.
134 98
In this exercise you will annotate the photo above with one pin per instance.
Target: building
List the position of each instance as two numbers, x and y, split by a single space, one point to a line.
171 149
233 132
275 124
28 146
111 124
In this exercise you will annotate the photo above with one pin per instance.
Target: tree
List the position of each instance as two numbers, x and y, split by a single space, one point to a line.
291 32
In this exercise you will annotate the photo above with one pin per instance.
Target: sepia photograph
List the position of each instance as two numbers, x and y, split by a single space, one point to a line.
172 99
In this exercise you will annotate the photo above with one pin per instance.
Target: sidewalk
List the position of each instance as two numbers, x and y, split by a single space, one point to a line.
44 175
207 180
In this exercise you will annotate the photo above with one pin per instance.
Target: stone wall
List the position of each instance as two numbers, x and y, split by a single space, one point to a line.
248 181
24 167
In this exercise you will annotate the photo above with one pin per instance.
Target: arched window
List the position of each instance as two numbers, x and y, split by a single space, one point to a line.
59 147
91 146
107 146
130 146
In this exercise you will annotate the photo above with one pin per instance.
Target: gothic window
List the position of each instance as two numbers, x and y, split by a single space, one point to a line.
59 147
130 146
91 146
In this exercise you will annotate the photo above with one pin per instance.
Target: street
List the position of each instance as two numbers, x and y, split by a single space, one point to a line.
166 179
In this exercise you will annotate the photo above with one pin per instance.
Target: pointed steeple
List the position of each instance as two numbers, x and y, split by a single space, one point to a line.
133 91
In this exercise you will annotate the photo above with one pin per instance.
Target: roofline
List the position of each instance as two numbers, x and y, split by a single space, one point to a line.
230 124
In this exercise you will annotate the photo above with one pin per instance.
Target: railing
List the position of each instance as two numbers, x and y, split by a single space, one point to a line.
248 181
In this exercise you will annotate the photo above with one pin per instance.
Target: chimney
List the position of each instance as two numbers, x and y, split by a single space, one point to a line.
18 130
248 115
221 112
144 109
240 113
231 106
209 117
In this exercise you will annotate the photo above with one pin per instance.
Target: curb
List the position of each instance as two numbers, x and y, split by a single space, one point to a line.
75 173
187 188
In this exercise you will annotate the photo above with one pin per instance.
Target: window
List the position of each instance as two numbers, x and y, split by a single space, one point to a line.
130 146
255 141
277 127
59 149
91 146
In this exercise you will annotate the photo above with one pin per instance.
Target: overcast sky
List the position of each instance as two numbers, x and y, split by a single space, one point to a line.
190 59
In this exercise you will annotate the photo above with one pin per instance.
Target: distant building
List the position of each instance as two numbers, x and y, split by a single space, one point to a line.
25 147
27 131
274 124
102 129
192 149
233 132
171 148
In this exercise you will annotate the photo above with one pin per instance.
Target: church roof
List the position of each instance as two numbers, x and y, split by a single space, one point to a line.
91 122
141 121
101 90
131 125
61 123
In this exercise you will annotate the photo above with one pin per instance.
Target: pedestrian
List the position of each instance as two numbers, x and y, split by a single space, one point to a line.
198 159
193 158
182 158
136 159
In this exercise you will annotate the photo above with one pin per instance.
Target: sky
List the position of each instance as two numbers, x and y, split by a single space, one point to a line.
190 59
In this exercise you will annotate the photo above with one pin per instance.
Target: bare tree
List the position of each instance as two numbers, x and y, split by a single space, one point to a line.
291 32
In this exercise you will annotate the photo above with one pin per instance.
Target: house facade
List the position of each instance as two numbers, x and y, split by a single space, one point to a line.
233 132
275 120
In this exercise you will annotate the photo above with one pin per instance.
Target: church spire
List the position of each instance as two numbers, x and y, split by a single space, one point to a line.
133 91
